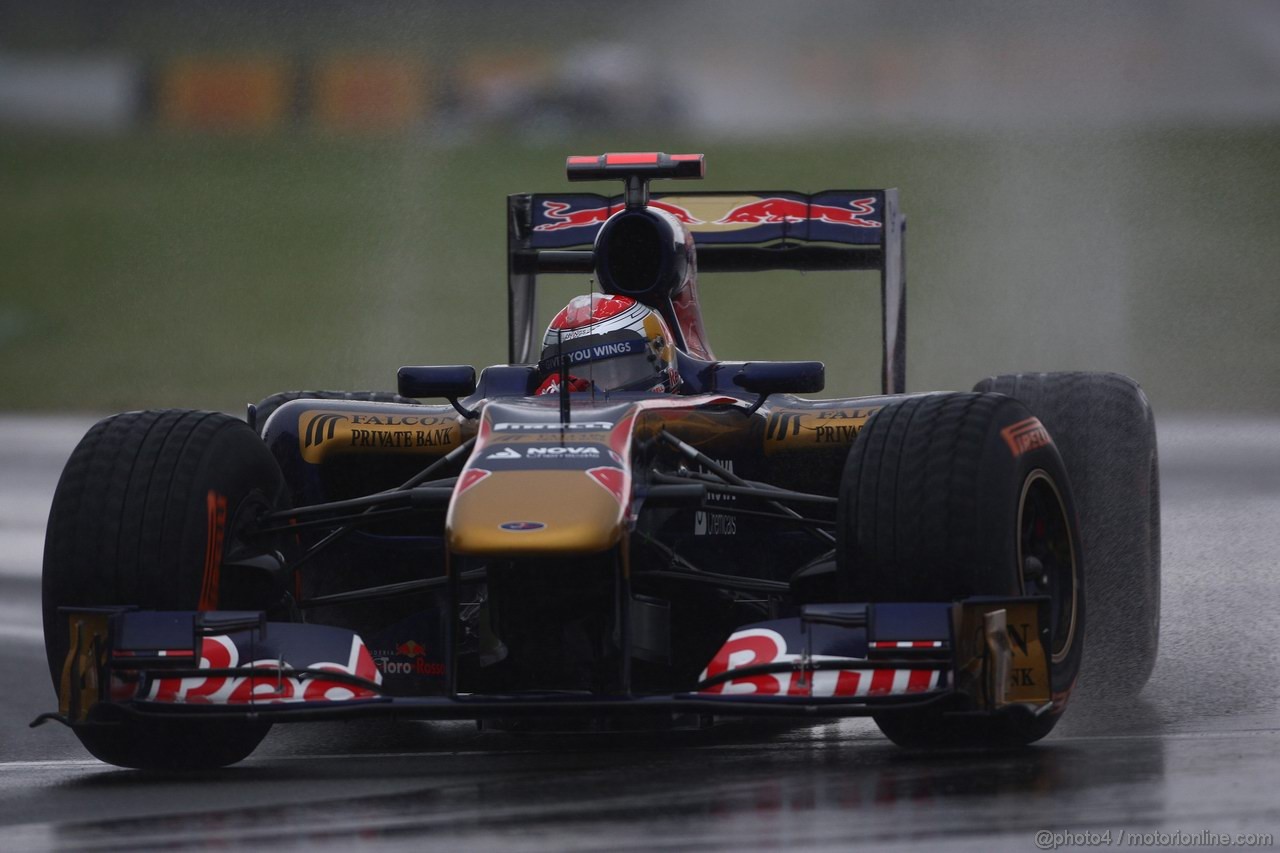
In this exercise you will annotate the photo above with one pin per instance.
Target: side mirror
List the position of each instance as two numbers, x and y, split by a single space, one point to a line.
779 377
449 381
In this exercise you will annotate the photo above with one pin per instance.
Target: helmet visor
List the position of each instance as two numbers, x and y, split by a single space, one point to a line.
628 373
620 364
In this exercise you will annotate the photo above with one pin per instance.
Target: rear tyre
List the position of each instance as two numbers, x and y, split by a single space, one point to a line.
1106 432
148 505
937 503
268 405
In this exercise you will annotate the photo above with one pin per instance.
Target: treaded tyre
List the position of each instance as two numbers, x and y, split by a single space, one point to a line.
147 507
939 502
1106 432
268 405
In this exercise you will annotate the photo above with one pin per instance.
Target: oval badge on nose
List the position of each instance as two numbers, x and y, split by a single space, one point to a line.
522 525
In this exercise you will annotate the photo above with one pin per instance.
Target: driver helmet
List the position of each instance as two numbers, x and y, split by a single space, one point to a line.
611 342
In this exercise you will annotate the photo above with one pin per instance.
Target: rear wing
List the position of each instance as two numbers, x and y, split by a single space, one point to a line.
733 232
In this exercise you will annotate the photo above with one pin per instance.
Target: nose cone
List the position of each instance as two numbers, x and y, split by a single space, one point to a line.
536 513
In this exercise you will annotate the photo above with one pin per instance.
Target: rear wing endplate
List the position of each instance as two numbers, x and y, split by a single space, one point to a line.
734 232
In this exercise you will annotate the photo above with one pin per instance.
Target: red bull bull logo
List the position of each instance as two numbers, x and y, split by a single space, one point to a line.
561 216
411 649
744 212
770 211
407 658
839 216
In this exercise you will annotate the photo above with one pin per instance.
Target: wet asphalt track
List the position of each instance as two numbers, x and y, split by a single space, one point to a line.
1198 752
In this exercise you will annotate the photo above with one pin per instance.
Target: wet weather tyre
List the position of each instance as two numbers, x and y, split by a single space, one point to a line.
268 405
940 500
146 509
1105 430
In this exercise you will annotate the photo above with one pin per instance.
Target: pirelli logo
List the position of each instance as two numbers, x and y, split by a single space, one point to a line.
1026 435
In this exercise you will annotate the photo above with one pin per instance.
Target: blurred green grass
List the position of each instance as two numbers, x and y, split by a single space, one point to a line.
156 269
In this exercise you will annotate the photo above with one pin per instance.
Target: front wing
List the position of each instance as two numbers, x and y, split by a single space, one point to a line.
980 655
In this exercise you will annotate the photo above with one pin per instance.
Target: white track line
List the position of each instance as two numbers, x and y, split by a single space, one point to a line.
61 762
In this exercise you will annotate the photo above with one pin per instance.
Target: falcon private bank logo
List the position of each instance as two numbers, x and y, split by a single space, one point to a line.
321 433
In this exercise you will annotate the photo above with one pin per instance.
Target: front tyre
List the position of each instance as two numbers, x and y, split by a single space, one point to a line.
1105 429
948 496
146 509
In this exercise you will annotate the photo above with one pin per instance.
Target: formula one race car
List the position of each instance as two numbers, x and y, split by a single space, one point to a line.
616 530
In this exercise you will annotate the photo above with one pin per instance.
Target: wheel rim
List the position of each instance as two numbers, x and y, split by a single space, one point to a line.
1044 534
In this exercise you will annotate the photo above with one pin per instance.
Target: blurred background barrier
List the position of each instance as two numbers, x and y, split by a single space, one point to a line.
225 94
70 93
369 94
204 203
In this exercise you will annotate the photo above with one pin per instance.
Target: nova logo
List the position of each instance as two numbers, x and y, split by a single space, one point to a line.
505 453
575 452
712 497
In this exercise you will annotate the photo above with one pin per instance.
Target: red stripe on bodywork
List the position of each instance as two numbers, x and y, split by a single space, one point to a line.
881 682
919 680
470 478
847 682
801 683
620 435
614 481
907 644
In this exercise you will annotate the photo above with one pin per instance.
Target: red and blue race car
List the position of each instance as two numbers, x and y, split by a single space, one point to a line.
616 528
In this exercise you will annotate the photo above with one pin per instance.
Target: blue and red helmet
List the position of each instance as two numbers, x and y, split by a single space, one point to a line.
613 343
